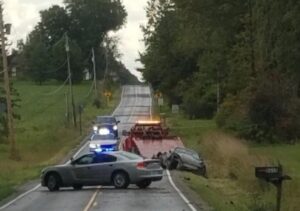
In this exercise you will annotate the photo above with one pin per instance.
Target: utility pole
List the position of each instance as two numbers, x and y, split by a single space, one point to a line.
106 46
70 80
67 109
10 119
251 27
95 76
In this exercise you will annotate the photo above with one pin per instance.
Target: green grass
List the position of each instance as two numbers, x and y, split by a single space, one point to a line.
43 136
231 183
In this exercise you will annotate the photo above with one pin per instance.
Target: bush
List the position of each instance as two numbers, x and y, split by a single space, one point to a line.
200 105
270 111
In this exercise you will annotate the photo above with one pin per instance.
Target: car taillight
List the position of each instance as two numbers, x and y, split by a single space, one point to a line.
140 165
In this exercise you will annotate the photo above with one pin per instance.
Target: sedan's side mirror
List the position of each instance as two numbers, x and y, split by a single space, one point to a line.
72 161
118 122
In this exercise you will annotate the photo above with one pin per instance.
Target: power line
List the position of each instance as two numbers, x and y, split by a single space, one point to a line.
90 91
59 88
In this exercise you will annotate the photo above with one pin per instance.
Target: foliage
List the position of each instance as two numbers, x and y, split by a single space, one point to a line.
86 23
249 49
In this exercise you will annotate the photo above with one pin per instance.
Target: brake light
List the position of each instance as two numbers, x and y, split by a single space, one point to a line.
140 165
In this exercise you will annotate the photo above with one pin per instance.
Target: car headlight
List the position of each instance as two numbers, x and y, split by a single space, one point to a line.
115 127
93 146
95 128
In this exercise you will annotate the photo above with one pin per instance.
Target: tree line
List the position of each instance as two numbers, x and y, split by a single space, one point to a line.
235 61
42 56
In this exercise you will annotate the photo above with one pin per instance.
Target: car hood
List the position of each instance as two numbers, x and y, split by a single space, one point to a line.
104 142
56 167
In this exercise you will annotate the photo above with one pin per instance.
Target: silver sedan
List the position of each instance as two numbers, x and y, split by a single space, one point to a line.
108 168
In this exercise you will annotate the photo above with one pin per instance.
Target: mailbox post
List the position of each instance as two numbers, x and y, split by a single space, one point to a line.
274 175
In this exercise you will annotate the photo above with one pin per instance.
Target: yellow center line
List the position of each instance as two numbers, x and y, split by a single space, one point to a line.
91 202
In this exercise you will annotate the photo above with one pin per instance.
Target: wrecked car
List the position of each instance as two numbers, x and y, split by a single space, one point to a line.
183 159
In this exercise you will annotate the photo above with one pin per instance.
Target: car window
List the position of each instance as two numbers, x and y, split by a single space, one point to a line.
195 156
103 137
105 120
104 158
180 150
87 159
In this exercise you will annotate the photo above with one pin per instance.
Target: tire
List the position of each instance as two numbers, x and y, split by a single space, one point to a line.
120 180
53 182
202 172
144 184
179 164
77 187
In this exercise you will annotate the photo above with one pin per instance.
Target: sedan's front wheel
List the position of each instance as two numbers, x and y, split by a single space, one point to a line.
53 182
120 180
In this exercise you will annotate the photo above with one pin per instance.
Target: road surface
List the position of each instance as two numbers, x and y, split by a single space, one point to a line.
136 103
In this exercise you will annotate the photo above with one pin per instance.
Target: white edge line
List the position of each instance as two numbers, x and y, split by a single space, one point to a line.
39 185
180 193
120 101
169 175
19 197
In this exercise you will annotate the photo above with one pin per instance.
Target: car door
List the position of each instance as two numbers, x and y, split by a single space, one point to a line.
190 160
102 168
80 169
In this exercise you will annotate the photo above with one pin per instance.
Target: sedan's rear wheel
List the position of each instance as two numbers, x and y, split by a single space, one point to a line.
144 184
53 182
120 180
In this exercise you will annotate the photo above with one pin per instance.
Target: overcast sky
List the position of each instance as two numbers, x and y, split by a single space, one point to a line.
24 14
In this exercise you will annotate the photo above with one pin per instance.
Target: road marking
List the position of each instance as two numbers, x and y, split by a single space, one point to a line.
120 101
180 193
91 202
170 178
19 197
37 186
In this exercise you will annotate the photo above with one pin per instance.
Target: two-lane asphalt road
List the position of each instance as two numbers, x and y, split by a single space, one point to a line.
136 103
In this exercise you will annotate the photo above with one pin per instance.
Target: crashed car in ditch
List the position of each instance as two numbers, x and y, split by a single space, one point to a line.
183 159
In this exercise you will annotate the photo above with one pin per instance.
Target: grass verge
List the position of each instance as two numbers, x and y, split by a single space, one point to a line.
43 136
231 183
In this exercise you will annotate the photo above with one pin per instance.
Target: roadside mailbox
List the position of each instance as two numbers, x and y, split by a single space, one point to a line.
270 174
274 175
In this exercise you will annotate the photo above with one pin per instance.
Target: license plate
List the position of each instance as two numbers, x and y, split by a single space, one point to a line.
155 172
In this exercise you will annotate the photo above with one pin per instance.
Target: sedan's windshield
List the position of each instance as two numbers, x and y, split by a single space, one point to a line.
102 120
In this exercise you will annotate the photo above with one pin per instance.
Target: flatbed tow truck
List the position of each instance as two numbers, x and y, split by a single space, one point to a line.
149 139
